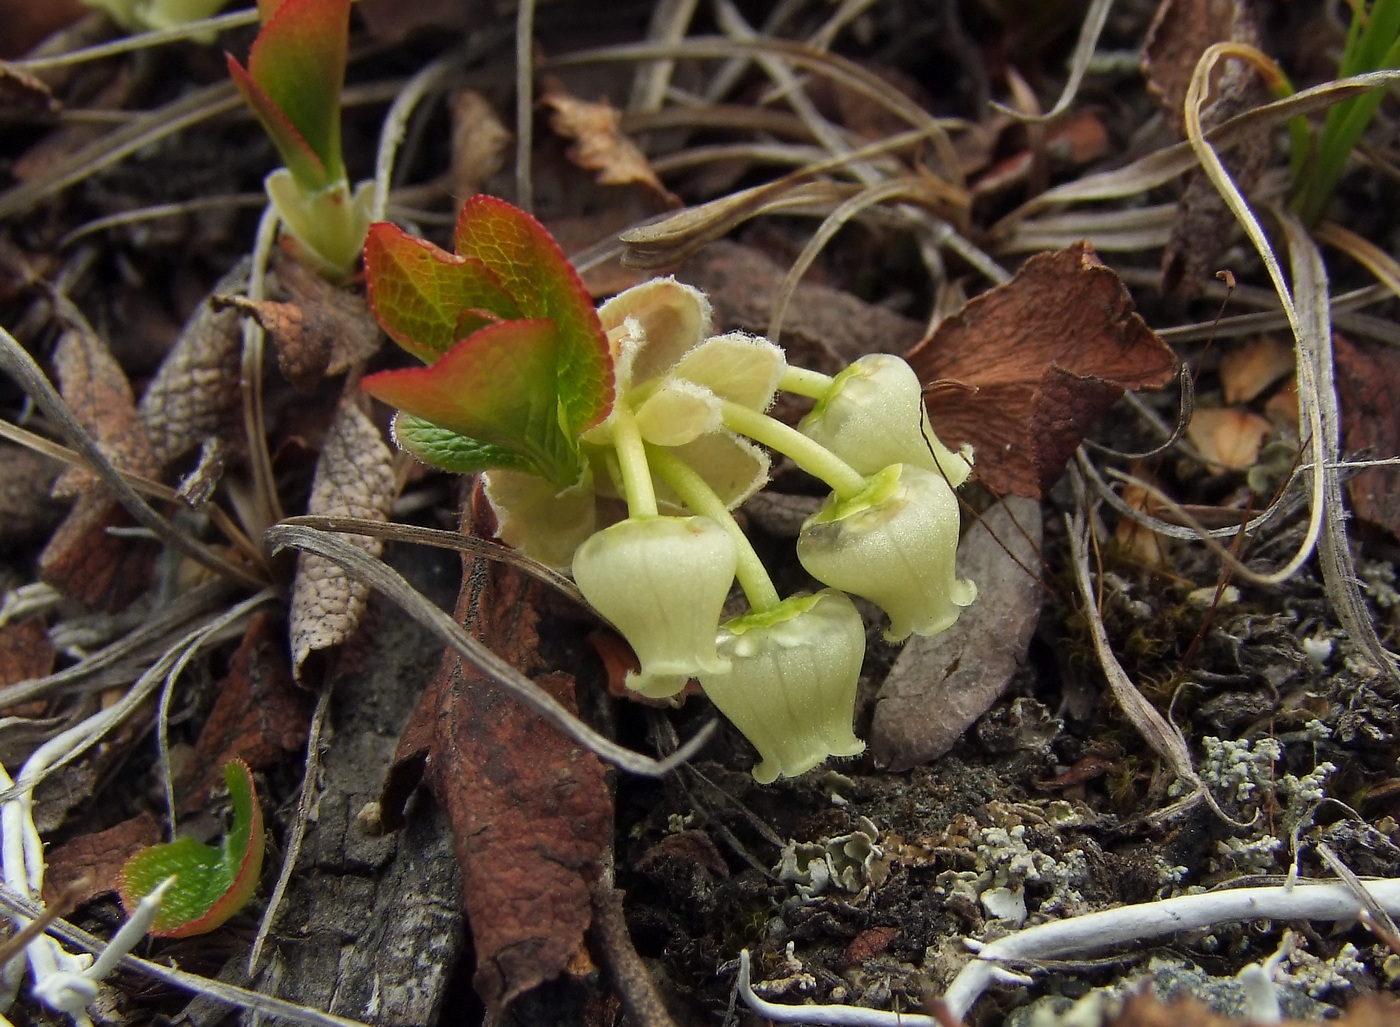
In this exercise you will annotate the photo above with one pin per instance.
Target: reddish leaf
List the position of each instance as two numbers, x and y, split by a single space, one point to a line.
529 809
86 562
419 292
536 273
497 386
1040 360
307 167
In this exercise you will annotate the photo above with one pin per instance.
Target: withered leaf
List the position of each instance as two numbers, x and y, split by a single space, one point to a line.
25 507
530 810
98 856
480 141
939 686
25 650
1368 390
259 715
196 392
599 142
1228 437
302 336
86 562
354 478
1180 32
1246 370
343 315
1038 361
95 387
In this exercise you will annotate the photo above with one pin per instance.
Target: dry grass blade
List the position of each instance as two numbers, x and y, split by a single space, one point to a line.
1317 398
267 506
1378 916
1117 231
1363 251
380 576
439 539
1155 729
20 366
144 40
1161 166
1094 20
240 998
833 223
145 130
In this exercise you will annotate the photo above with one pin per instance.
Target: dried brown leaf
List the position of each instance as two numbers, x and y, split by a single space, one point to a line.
25 650
259 715
25 507
1228 437
1368 391
196 392
1180 32
1036 362
530 809
1248 369
99 857
302 336
95 387
354 478
480 142
85 561
599 142
354 334
394 20
939 686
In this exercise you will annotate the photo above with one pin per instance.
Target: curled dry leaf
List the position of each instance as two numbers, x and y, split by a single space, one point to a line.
530 809
302 336
83 559
938 686
95 387
196 394
480 142
1025 370
353 334
1368 390
354 478
1228 437
599 142
25 650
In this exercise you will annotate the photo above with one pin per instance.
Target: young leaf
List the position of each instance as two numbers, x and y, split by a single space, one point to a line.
497 386
459 454
298 66
212 883
421 294
306 167
536 273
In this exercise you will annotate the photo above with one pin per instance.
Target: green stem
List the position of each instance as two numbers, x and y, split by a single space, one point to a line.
696 493
803 382
811 456
632 462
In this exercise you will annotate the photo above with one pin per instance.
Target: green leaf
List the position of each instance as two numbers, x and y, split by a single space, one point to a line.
459 454
212 883
421 294
297 65
535 272
498 387
306 168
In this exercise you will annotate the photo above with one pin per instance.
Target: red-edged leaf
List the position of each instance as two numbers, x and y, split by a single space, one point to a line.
421 294
211 883
534 270
298 60
296 153
496 386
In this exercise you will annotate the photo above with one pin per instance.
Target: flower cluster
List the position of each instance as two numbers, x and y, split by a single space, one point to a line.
636 496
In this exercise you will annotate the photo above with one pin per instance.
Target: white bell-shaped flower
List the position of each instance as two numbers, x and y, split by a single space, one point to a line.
896 544
662 582
791 683
873 416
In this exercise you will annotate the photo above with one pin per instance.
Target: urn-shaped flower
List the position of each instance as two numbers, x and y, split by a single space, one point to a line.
791 683
662 581
873 415
896 544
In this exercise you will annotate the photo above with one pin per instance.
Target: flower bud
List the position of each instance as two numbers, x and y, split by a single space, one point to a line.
873 416
896 544
662 582
791 684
